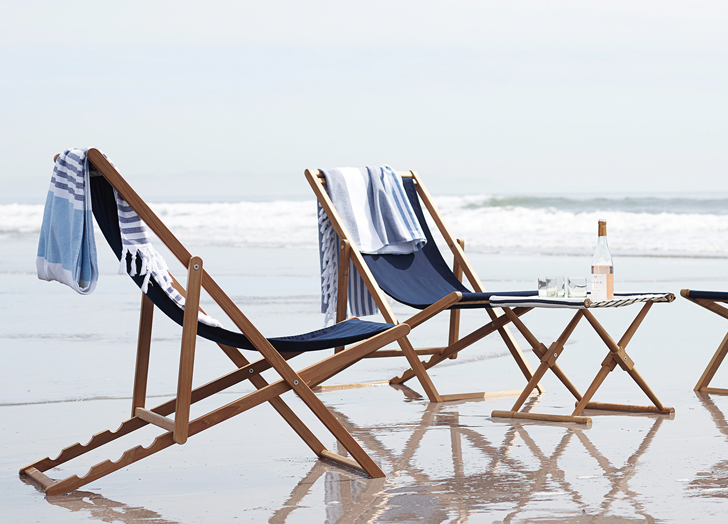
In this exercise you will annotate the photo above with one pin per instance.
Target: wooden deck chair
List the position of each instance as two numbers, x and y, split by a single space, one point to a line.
712 301
423 281
275 352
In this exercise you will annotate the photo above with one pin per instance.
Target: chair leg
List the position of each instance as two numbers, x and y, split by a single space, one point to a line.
515 350
454 332
607 367
187 353
461 344
418 370
625 362
548 360
713 366
342 294
144 342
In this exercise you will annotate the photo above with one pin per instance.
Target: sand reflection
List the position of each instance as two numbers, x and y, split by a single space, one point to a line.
512 486
712 483
104 509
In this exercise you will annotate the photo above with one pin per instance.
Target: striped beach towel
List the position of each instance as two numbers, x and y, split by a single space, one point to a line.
138 256
375 211
66 248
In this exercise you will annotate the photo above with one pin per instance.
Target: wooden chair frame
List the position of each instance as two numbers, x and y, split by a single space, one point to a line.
616 356
719 308
180 428
461 266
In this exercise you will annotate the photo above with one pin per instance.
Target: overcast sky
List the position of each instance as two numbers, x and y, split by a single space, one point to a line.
478 96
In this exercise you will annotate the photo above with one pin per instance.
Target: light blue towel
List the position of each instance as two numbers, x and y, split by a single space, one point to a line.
67 250
376 212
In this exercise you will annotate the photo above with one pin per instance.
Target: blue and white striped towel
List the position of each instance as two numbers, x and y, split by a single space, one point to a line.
376 212
66 249
70 182
135 243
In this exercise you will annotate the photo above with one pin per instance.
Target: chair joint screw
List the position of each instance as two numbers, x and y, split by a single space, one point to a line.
196 267
295 382
251 370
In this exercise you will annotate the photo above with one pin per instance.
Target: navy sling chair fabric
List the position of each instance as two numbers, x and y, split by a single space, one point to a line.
341 334
709 295
422 278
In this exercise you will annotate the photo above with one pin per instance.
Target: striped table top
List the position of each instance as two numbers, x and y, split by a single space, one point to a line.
619 300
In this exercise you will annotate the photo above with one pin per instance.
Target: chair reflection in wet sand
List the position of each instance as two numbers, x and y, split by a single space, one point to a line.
712 483
514 481
104 509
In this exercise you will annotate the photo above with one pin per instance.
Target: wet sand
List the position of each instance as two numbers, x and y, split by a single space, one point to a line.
67 371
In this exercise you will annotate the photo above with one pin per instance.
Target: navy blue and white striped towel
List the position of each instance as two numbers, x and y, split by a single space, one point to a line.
134 235
375 211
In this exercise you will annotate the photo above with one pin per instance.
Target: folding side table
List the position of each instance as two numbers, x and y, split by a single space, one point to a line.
615 357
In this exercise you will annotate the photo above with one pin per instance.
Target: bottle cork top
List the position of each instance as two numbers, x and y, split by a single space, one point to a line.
602 228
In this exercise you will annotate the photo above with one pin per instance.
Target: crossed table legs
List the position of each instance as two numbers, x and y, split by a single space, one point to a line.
615 357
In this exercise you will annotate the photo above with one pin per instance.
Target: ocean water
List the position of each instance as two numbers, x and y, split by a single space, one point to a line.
654 226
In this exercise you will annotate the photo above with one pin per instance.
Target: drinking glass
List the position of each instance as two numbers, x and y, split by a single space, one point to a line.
547 286
560 287
577 287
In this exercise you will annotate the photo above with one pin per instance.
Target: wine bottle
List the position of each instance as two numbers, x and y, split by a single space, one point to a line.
602 267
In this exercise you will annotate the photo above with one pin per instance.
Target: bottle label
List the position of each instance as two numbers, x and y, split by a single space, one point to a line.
602 269
598 287
608 273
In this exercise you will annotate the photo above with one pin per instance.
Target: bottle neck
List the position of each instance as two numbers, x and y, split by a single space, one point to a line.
602 257
602 229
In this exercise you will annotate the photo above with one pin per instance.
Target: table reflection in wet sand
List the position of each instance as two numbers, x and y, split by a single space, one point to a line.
515 477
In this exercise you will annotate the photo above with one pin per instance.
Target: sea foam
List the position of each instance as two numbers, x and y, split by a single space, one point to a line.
651 226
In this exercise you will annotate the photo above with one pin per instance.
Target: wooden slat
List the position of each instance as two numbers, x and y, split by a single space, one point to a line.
432 310
153 418
716 391
344 461
628 407
484 395
384 353
355 385
45 481
541 416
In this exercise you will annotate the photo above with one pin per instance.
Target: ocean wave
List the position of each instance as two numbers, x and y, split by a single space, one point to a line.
491 224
